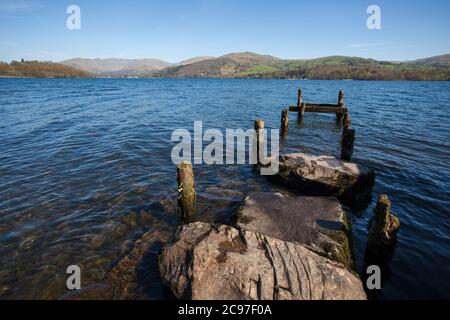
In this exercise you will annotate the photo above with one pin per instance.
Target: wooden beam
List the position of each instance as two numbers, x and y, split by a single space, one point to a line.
327 105
318 109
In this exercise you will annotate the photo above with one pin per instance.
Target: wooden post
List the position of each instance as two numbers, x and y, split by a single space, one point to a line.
259 128
383 226
299 97
302 109
284 122
301 112
186 191
341 104
347 142
347 122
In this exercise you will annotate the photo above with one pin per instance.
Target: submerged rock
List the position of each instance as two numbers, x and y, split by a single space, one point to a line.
134 276
319 223
327 176
4 290
220 262
92 292
226 193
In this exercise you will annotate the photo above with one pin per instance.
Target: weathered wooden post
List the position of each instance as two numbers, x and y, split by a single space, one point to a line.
384 225
347 122
259 128
299 97
186 190
348 139
347 142
301 112
284 122
341 99
341 104
383 228
299 104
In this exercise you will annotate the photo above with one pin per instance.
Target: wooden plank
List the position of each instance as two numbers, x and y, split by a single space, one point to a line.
327 105
320 109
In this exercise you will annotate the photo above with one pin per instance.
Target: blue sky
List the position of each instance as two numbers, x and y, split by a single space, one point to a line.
174 30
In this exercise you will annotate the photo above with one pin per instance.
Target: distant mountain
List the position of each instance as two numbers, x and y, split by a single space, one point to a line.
234 64
118 66
194 60
126 67
251 65
40 70
242 65
438 61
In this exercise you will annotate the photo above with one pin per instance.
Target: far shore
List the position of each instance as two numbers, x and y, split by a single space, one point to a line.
237 78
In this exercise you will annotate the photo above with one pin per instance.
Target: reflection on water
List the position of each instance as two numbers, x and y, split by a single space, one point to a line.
85 169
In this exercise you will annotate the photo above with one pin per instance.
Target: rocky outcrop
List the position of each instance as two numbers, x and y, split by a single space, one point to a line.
318 223
220 262
327 176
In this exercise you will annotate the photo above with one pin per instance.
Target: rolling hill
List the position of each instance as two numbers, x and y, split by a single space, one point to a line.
195 59
438 61
240 65
126 67
40 70
117 67
251 65
234 64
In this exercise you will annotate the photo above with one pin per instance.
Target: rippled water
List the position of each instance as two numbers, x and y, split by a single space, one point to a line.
85 166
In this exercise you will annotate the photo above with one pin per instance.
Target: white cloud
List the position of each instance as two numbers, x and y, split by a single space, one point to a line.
366 45
8 44
16 6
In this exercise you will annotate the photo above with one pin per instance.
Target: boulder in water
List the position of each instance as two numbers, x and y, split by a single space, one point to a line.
218 262
319 223
327 176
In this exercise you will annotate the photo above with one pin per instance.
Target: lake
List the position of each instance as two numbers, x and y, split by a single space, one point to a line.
85 169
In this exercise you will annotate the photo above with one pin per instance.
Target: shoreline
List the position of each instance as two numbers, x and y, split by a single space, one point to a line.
236 78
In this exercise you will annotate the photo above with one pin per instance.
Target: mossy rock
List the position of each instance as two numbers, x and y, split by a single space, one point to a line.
319 223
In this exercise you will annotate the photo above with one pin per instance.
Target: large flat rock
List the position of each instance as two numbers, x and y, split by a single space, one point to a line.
319 223
207 262
327 176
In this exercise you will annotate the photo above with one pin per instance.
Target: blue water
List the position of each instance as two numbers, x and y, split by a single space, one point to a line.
85 166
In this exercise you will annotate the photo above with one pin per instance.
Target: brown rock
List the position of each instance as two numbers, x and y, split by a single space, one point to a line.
220 262
327 176
93 292
319 223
